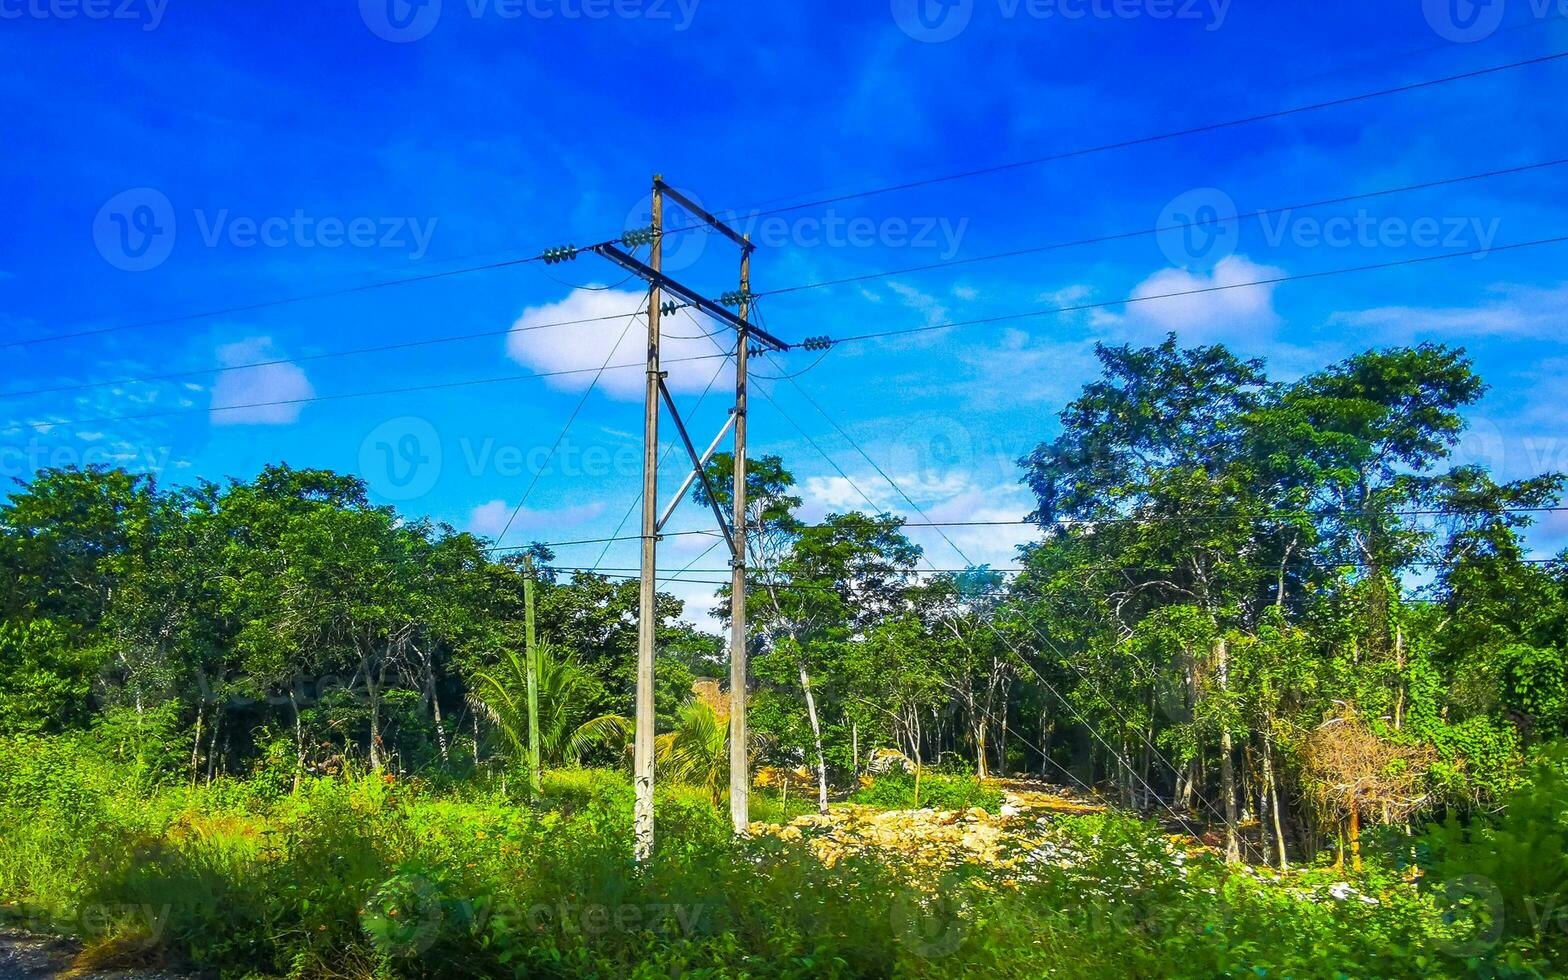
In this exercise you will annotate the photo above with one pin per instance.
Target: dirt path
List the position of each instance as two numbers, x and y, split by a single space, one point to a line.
24 956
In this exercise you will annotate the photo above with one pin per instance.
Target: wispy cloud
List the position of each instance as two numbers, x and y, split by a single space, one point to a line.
490 518
1524 312
266 395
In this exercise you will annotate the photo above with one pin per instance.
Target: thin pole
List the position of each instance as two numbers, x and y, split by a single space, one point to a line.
740 775
531 654
642 814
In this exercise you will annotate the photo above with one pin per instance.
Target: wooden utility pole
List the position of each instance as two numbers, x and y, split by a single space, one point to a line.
647 611
740 771
531 655
653 520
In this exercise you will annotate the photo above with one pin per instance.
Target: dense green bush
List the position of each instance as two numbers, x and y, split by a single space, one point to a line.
371 875
1505 877
898 791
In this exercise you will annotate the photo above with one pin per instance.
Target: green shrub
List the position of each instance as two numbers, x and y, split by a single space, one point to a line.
897 791
1503 880
374 875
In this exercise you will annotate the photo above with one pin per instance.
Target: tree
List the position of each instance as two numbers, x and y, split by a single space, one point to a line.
567 727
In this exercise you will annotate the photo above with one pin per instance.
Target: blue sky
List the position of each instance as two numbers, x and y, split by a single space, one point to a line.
167 157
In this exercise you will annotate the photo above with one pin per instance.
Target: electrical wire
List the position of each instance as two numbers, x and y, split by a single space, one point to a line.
1271 281
1159 230
408 389
1145 140
538 473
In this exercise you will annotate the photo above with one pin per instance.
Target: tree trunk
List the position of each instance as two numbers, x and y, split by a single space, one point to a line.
212 745
1227 764
299 741
201 710
981 769
435 713
816 736
854 751
1271 793
373 692
1355 839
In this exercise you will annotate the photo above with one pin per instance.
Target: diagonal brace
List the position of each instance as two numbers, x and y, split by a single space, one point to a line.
696 462
692 476
706 305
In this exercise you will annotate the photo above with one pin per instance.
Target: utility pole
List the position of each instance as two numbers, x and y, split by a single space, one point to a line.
740 762
647 612
531 655
653 520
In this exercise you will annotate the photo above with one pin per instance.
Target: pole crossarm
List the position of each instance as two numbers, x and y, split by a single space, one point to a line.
691 477
705 215
697 466
660 281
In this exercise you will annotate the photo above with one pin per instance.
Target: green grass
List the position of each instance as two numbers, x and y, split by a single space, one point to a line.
388 878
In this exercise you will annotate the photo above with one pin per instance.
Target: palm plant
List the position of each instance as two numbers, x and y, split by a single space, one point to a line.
697 751
565 689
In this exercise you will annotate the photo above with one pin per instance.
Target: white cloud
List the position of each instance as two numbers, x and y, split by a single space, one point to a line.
994 544
270 392
925 303
834 494
586 347
490 519
1517 311
1229 313
955 500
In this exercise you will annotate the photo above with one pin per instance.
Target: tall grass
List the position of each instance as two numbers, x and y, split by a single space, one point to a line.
371 876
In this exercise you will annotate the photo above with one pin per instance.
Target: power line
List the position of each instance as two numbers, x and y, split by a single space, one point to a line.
870 192
354 352
1152 519
1144 140
1145 232
282 301
981 321
441 386
1016 652
567 427
1273 281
